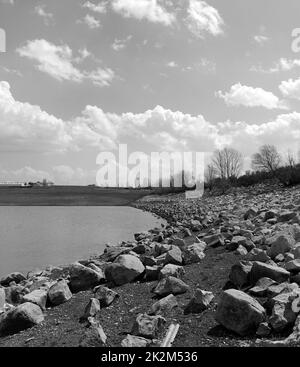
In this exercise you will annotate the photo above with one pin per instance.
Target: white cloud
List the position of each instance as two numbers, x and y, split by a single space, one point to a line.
58 62
90 21
121 44
172 64
242 95
40 11
25 127
282 64
203 18
261 39
143 9
97 8
290 88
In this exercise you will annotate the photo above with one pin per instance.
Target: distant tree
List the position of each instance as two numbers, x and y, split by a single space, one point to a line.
291 160
227 163
210 176
267 159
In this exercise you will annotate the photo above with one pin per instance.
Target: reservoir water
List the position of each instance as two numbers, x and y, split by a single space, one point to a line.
35 237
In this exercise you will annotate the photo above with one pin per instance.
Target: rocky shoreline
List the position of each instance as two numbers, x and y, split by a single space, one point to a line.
226 269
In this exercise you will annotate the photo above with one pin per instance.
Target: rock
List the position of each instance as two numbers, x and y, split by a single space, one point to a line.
92 309
296 251
147 326
258 255
125 269
241 250
196 226
200 301
20 318
105 295
140 249
270 215
236 242
283 314
239 312
250 213
194 253
286 216
59 293
38 297
261 270
279 258
179 242
261 287
214 240
94 336
132 341
239 274
171 270
13 277
293 266
170 285
2 299
152 273
15 293
263 330
276 289
280 244
174 256
164 305
83 278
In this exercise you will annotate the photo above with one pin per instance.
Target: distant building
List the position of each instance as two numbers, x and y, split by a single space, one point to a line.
14 184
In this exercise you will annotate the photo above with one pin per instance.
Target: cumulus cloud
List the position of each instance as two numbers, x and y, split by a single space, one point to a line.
203 18
290 88
25 127
121 44
143 9
282 64
90 21
58 62
243 95
101 7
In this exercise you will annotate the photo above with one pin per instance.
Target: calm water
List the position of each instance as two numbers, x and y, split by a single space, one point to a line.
34 237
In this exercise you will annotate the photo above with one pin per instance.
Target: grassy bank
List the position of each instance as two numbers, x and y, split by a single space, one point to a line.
69 195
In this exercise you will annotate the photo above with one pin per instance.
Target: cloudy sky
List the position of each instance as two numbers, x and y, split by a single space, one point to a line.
79 77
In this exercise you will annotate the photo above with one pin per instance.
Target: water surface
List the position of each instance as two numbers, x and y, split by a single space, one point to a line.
35 237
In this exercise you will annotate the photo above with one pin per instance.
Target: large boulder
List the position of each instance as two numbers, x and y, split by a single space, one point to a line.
59 293
170 285
239 312
94 335
38 297
174 256
20 318
280 244
261 270
92 309
124 270
13 277
83 278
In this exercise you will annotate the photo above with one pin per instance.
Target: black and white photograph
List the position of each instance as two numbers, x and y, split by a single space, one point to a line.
149 177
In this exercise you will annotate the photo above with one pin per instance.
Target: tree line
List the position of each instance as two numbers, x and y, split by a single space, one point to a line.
226 166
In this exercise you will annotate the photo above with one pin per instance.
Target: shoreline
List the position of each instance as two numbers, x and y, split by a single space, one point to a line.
206 263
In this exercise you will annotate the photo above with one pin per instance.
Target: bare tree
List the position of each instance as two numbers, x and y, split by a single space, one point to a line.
291 160
210 175
267 159
228 163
